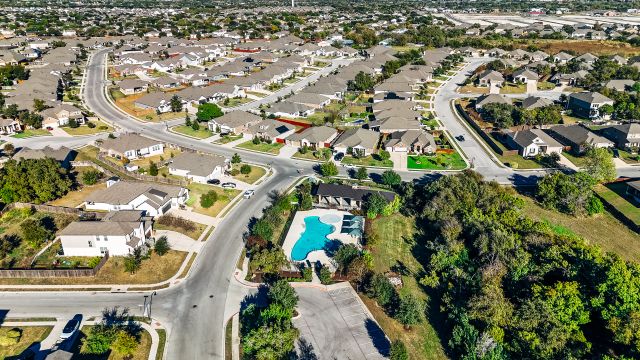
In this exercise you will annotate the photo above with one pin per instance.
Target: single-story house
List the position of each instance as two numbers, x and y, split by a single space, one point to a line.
131 146
235 122
154 199
63 154
484 100
490 77
117 234
345 196
271 130
9 126
198 167
578 138
359 141
290 109
314 137
532 142
534 102
133 86
413 141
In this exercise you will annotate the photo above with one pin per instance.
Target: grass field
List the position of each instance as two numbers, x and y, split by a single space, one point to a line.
76 197
30 335
194 234
224 197
273 148
395 249
256 173
201 133
437 162
153 270
615 195
509 88
86 130
366 161
518 161
603 230
141 353
225 139
578 161
31 133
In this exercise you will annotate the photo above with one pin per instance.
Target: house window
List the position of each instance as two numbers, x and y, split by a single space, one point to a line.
103 250
90 243
105 238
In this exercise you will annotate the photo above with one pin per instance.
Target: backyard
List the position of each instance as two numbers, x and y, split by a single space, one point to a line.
30 335
224 197
202 133
269 148
442 161
394 251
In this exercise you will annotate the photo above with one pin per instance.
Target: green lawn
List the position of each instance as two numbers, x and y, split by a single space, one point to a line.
31 133
628 157
603 229
518 162
233 102
201 133
509 88
366 161
545 85
437 162
256 173
224 197
615 195
30 335
225 139
578 161
273 148
309 155
393 251
141 352
86 130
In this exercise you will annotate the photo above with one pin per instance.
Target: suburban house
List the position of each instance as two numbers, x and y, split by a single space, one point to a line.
411 141
131 146
290 109
9 126
234 122
344 196
60 115
360 142
490 78
63 154
532 142
587 104
578 138
626 136
562 57
633 190
158 101
271 130
198 167
484 100
315 137
117 234
524 76
534 102
153 199
133 86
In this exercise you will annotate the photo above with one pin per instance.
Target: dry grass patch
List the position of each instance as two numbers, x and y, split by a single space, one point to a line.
76 197
30 335
256 173
224 197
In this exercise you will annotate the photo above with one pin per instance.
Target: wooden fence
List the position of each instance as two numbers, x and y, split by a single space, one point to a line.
483 134
48 273
142 177
53 209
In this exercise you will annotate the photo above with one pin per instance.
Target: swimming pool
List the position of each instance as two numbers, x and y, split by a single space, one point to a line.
313 238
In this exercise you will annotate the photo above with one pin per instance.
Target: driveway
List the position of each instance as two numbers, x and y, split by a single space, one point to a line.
179 241
399 160
335 324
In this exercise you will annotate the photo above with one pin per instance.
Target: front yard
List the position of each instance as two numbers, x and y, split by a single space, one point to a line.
31 133
225 139
256 173
272 148
201 133
141 353
366 161
436 162
510 88
578 161
99 127
224 197
471 89
29 336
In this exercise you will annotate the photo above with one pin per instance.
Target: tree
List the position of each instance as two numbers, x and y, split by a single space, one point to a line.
398 351
391 178
133 261
175 103
124 344
374 205
187 120
153 169
269 261
384 155
245 169
91 177
269 342
361 173
599 164
9 149
195 126
98 340
36 232
208 111
380 289
345 254
33 180
324 275
362 82
283 294
566 193
208 199
328 168
263 228
162 246
39 105
236 159
73 124
410 311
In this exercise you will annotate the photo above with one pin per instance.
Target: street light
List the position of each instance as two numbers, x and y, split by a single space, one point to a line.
147 306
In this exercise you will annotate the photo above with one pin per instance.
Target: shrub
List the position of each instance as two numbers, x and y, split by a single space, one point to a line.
162 246
380 289
398 351
307 274
94 261
11 338
124 344
594 206
384 155
234 172
73 123
153 169
103 127
329 169
175 221
91 177
207 200
325 275
245 169
236 159
91 125
255 140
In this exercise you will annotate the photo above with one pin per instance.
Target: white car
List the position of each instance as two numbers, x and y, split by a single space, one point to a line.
71 327
248 194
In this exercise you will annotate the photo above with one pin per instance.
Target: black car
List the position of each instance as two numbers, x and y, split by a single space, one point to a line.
460 137
213 182
338 156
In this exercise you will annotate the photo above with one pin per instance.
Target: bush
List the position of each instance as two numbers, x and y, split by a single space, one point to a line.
153 169
94 262
236 159
245 169
398 351
124 344
133 261
255 140
380 289
307 274
384 155
325 275
594 206
162 246
207 200
175 221
73 124
91 177
234 172
329 169
11 338
91 125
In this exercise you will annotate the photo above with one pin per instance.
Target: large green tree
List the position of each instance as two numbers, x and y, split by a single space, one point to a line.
33 180
208 111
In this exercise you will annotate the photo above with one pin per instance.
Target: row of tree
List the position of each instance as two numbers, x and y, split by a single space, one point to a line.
505 116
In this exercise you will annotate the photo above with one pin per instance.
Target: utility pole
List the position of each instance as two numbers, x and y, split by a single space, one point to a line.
293 4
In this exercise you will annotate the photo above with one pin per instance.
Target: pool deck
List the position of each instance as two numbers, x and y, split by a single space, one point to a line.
297 228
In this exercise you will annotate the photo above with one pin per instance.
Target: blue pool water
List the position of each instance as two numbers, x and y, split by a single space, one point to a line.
313 238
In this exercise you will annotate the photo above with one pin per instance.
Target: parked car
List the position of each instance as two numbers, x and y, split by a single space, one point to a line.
229 185
248 194
72 326
338 157
49 128
213 182
460 137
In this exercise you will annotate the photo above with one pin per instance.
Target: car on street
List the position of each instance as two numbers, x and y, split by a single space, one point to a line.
460 137
248 194
338 157
71 327
213 182
229 185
